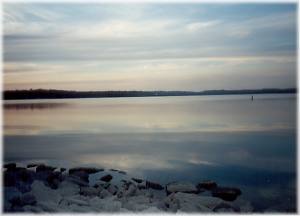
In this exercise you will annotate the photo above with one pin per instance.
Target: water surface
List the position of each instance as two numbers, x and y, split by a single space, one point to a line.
229 139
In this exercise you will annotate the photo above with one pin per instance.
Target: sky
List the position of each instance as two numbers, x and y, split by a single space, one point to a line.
148 46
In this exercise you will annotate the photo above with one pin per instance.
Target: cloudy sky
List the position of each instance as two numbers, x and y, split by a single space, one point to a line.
149 46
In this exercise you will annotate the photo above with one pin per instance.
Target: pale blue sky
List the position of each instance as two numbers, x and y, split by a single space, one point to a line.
149 46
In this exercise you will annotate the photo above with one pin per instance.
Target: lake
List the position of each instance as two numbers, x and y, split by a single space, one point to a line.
229 139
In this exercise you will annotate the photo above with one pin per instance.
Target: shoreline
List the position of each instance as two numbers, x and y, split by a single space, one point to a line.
43 188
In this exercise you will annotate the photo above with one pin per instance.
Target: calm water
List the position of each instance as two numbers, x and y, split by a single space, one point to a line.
229 139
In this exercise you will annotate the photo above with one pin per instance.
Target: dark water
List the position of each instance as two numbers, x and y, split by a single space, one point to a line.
230 139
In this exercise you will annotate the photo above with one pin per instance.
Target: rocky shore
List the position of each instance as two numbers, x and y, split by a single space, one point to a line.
42 188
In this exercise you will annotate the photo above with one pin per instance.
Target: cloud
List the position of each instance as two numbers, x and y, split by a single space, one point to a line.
152 42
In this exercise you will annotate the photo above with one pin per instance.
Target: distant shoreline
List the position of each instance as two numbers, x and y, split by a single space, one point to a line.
64 94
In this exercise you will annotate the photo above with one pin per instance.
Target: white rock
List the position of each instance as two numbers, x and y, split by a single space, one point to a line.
137 203
89 191
131 190
151 209
181 187
77 208
67 188
49 206
78 200
30 208
104 193
105 205
190 202
45 194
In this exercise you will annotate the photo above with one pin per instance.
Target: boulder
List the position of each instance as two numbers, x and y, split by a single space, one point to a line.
225 207
183 187
10 166
153 185
67 188
113 189
105 205
84 176
62 169
42 167
77 180
34 165
24 199
186 202
89 191
137 180
9 179
23 186
207 185
226 193
53 179
45 194
106 178
104 193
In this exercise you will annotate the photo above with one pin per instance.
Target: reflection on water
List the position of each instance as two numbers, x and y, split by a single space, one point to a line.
31 106
230 139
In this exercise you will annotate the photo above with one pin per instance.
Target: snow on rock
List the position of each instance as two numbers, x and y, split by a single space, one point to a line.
186 203
105 205
67 188
44 194
90 191
137 203
184 187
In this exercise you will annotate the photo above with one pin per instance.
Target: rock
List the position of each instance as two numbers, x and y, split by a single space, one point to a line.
27 199
23 186
34 209
9 179
137 180
77 180
42 167
226 193
142 185
76 200
113 189
62 169
106 178
154 185
88 170
183 187
84 176
131 190
10 166
137 203
89 191
67 188
105 205
24 199
43 175
45 194
9 194
34 165
104 193
207 185
54 179
122 172
26 175
186 202
224 207
49 206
